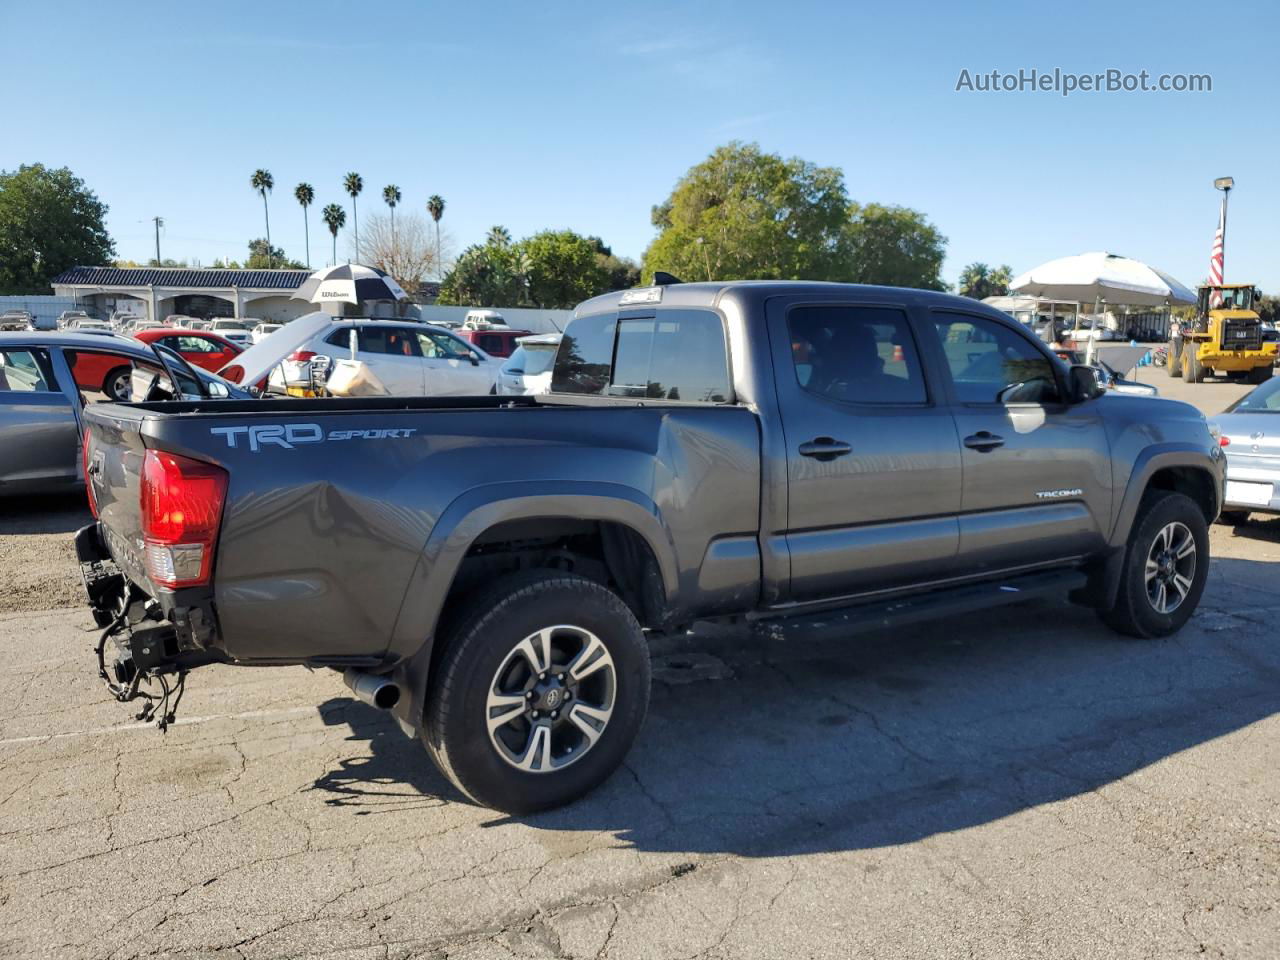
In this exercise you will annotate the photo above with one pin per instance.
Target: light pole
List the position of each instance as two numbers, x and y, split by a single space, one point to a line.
1224 184
159 222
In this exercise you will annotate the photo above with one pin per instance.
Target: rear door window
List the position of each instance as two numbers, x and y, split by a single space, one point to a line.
856 354
393 341
24 371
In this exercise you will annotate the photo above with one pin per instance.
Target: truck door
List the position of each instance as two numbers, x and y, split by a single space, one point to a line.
1037 471
873 459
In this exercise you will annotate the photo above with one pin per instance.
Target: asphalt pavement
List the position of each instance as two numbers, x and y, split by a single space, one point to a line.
1014 783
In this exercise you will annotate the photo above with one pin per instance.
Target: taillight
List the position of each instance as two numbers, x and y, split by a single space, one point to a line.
88 480
181 509
1224 441
301 356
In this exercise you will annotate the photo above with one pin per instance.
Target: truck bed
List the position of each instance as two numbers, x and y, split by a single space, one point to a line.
335 509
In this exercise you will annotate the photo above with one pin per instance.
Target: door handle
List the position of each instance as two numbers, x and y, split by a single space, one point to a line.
983 440
824 448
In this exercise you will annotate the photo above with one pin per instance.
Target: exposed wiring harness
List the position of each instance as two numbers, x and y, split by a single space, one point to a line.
158 707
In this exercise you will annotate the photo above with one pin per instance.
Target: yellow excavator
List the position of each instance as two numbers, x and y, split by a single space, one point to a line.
1225 337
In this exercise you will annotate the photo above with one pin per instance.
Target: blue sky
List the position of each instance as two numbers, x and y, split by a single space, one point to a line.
583 115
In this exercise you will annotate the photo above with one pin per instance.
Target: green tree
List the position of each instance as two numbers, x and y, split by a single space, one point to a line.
263 256
262 182
499 236
488 274
353 183
305 194
743 214
49 221
623 272
391 196
335 219
895 246
562 269
979 281
746 214
435 207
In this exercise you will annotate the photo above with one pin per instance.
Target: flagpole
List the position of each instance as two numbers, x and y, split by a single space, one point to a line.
1226 192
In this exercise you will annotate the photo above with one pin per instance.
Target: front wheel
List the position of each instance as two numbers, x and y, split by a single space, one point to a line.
1260 374
1195 371
539 693
1165 567
1173 358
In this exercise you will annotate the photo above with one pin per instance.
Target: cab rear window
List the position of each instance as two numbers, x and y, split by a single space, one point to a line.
677 355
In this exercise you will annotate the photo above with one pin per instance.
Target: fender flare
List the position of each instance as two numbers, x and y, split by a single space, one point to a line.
483 507
1154 459
466 519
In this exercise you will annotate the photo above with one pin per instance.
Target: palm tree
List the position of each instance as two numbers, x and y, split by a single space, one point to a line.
261 182
353 183
336 218
391 196
305 195
435 207
499 236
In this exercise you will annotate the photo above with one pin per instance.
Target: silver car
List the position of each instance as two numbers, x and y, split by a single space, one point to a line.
1250 437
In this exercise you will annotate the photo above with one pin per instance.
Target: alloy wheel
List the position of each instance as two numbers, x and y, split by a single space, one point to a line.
1171 567
551 699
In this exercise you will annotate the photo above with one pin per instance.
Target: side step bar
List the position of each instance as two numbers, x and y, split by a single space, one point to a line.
938 604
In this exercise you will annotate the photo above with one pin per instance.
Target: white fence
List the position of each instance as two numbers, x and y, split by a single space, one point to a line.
41 307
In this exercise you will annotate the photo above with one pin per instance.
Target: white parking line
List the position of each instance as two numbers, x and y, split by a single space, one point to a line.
99 731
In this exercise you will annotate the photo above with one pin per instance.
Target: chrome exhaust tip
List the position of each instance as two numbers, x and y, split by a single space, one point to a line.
376 691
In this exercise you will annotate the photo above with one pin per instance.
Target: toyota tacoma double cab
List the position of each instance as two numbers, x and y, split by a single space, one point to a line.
487 568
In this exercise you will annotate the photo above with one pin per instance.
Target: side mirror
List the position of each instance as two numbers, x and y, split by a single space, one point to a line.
1084 383
475 361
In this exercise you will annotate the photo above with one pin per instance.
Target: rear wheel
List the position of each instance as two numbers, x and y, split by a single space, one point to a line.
1165 567
539 693
1173 358
116 384
1260 374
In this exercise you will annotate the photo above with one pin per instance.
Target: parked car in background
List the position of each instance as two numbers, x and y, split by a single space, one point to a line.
46 379
1249 432
15 320
263 330
234 330
200 348
495 341
195 323
70 318
89 325
409 359
43 322
528 370
119 319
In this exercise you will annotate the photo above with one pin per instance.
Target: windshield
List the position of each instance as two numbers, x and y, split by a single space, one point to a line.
1265 399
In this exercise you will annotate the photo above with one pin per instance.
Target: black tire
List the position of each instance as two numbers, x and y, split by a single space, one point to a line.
1195 371
1134 612
1173 358
1233 518
1260 374
117 380
478 645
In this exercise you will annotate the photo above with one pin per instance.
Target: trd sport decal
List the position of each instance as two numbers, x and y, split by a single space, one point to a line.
289 435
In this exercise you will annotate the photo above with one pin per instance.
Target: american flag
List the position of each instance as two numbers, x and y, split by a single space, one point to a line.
1215 260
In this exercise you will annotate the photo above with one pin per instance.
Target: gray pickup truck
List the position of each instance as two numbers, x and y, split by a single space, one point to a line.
487 567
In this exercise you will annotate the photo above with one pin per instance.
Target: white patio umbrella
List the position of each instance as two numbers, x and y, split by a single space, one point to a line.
349 283
1088 277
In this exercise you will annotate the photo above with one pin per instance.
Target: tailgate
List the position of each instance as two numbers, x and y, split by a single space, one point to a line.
114 455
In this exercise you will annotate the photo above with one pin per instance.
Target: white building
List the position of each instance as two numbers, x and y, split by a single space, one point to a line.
156 292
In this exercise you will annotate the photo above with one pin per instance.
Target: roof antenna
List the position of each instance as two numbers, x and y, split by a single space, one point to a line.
663 279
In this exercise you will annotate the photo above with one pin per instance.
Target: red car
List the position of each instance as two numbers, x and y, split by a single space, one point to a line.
495 341
199 348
